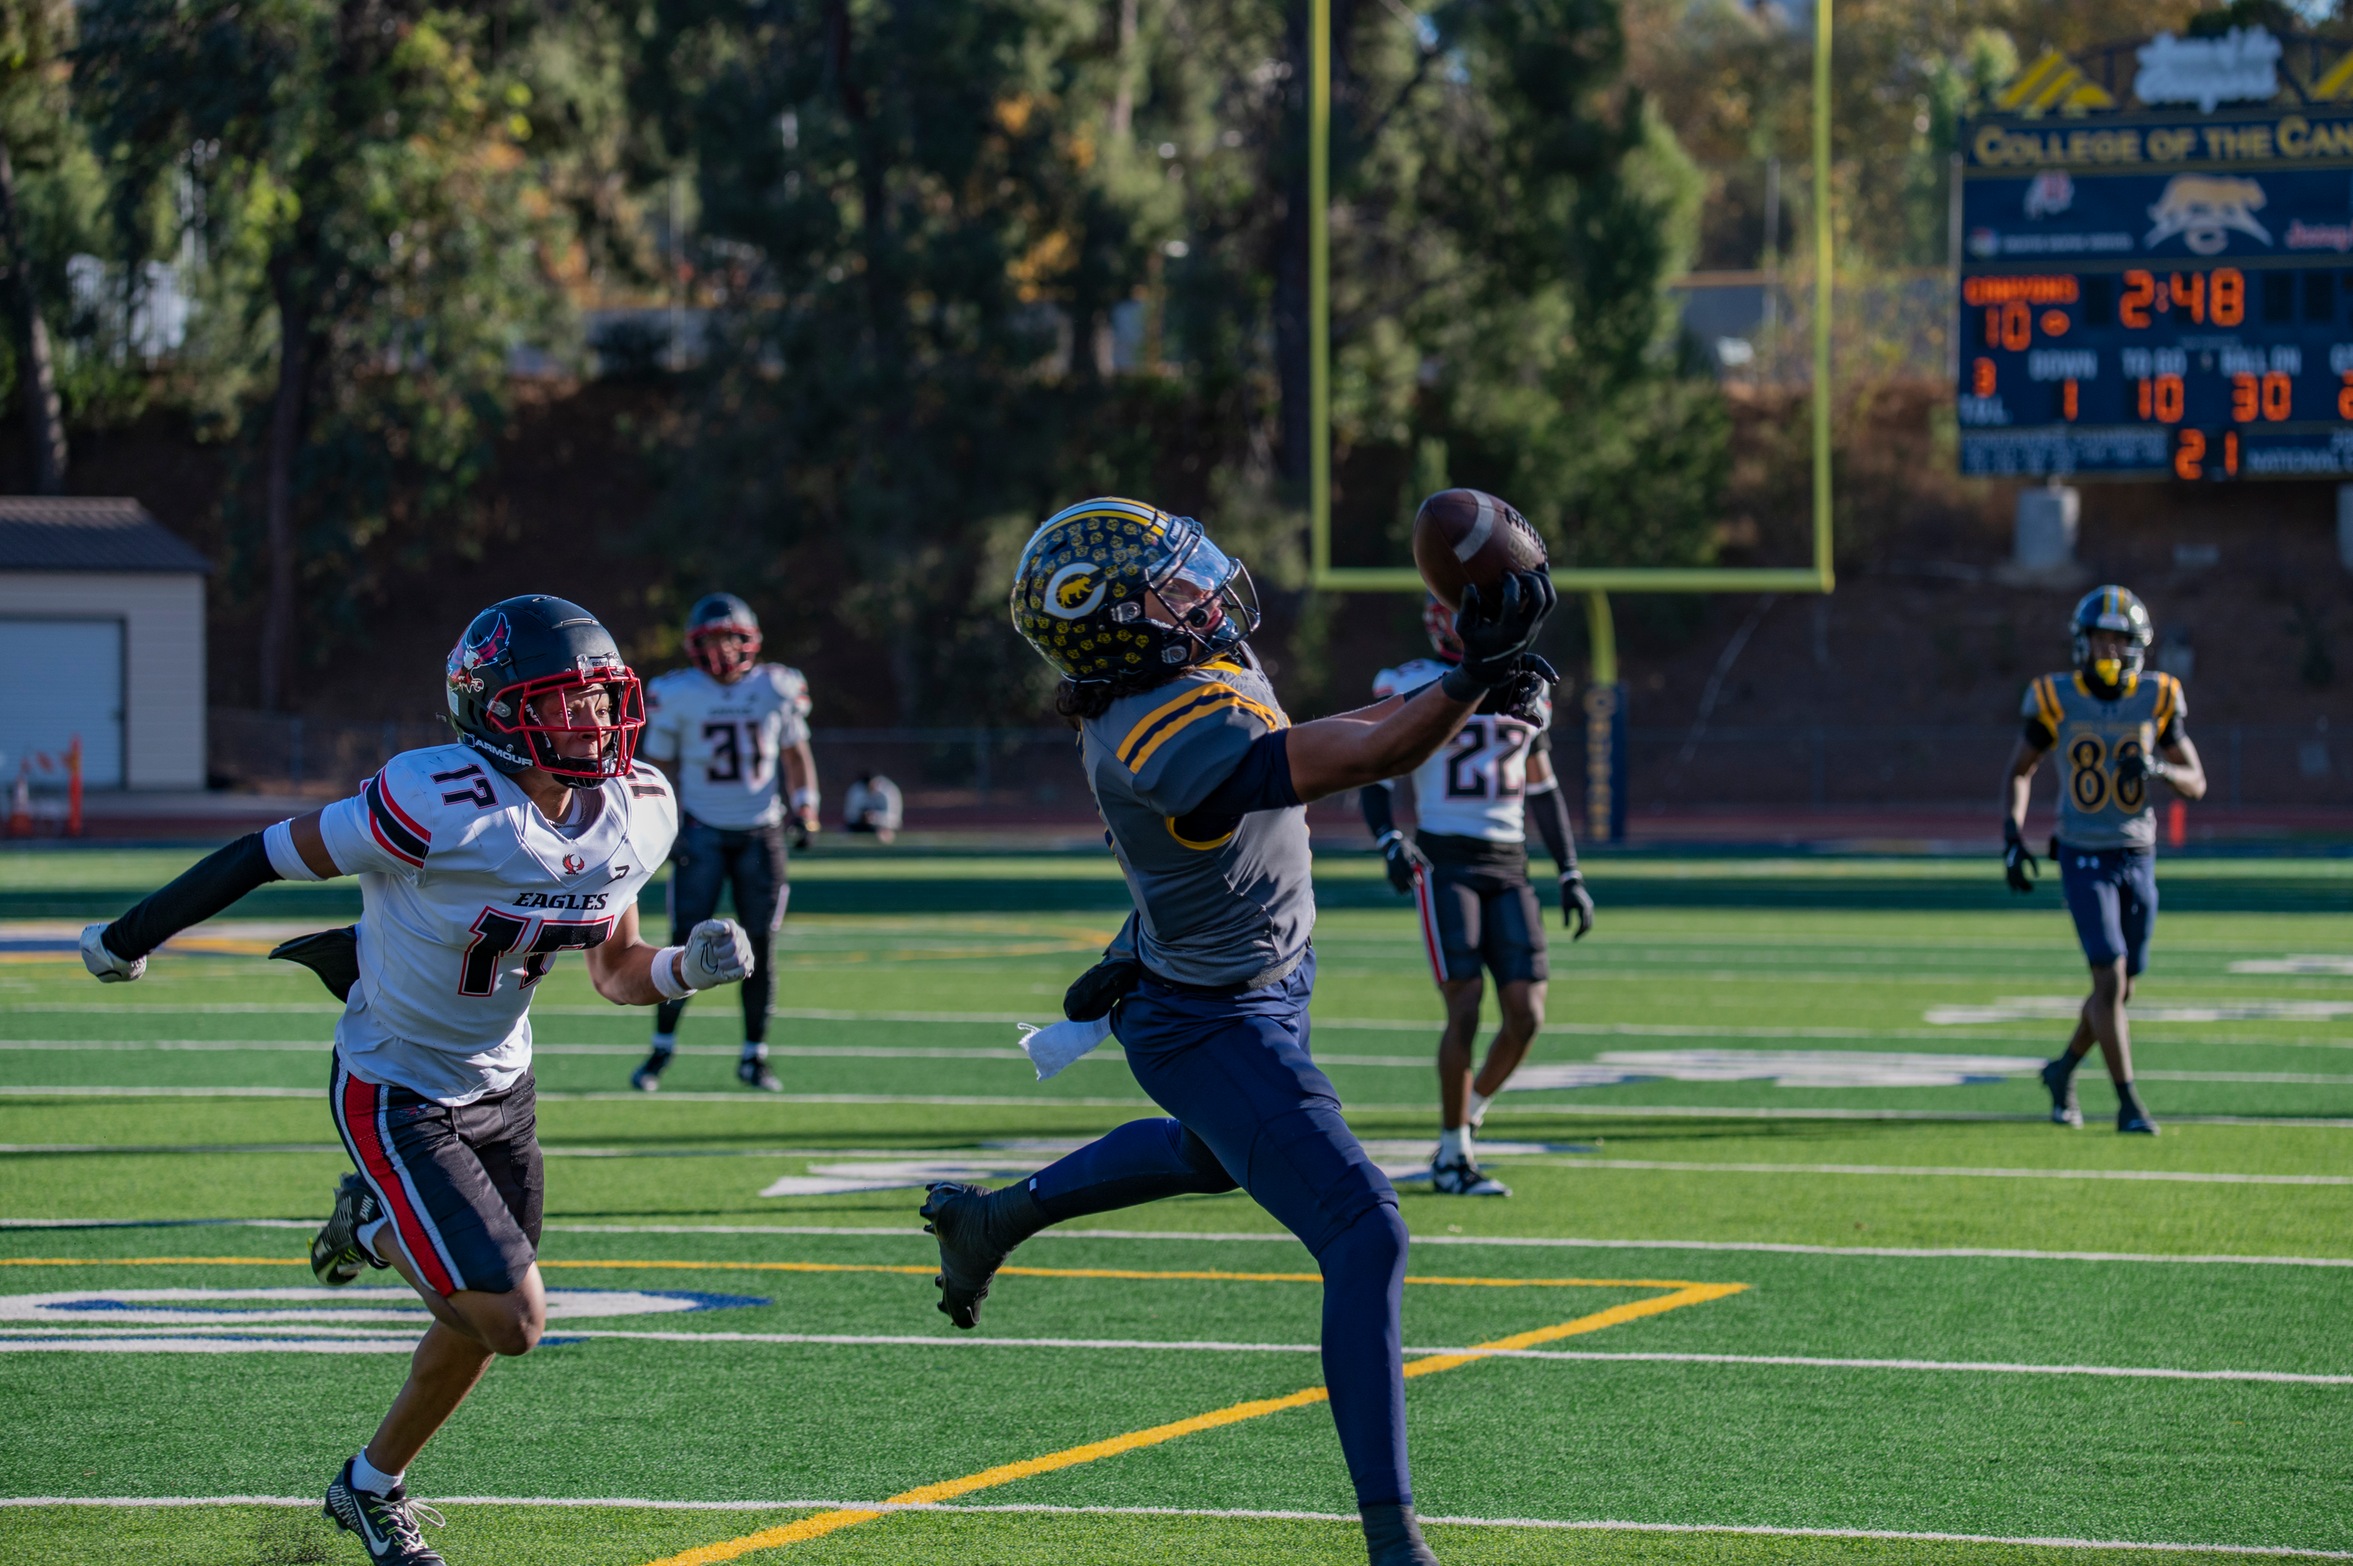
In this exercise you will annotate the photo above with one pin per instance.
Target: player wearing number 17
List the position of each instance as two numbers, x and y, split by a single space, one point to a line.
2118 732
478 863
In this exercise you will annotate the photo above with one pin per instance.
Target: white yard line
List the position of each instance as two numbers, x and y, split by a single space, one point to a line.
1242 1514
1215 1237
287 1339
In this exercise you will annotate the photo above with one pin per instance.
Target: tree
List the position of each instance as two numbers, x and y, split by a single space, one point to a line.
34 38
367 183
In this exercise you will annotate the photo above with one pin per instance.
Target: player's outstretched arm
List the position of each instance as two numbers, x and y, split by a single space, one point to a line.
1381 741
116 953
628 971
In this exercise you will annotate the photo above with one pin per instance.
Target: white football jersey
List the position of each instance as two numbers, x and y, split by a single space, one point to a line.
724 743
1477 783
469 893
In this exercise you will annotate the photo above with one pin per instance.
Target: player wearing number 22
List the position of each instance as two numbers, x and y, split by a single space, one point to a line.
1466 867
733 733
2118 733
478 862
1201 780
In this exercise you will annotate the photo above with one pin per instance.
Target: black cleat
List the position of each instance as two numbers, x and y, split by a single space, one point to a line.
1393 1537
648 1077
969 1254
1464 1178
2135 1122
336 1255
753 1072
386 1524
2065 1110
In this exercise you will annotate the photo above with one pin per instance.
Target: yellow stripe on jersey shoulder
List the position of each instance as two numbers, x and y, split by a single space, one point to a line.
2168 700
1211 701
1136 736
2046 701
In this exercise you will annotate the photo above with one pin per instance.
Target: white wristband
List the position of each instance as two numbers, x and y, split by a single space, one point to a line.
1388 837
667 963
804 799
285 858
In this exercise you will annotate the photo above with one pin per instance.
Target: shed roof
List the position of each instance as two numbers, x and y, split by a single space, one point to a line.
57 533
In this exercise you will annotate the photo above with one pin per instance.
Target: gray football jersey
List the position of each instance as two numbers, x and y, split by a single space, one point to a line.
1234 909
2096 808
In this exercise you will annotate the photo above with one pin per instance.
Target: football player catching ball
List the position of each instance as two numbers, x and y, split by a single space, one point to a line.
1202 779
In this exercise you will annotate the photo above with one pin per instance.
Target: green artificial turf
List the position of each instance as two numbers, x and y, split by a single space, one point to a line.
183 1114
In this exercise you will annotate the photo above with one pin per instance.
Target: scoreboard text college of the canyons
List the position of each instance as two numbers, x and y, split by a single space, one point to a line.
2161 295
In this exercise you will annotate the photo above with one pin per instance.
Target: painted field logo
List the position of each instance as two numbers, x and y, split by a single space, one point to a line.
1074 591
2203 209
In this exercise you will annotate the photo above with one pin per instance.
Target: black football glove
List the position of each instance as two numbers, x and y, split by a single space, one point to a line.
803 827
1403 860
2135 767
1576 905
1100 988
1495 628
2019 865
1524 692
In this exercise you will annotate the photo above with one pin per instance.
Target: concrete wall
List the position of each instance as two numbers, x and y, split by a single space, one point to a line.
163 659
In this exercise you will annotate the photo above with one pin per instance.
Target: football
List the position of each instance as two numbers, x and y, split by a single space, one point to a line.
1467 537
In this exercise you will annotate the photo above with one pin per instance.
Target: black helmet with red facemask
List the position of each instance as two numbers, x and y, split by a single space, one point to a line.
1438 622
722 637
539 682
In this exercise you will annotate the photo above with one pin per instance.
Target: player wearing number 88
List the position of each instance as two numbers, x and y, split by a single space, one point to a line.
1466 867
479 863
2118 733
733 733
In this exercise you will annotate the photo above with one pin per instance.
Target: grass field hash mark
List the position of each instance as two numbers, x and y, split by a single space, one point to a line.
1681 1294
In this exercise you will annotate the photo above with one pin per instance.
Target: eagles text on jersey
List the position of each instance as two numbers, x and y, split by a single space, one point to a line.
723 743
469 894
1477 783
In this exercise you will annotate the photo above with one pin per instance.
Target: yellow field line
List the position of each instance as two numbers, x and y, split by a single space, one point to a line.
823 1523
1129 1274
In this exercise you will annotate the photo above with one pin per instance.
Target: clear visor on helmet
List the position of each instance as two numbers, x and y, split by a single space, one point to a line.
1207 595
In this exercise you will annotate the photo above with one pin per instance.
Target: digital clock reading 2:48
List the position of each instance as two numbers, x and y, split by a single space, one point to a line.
2177 357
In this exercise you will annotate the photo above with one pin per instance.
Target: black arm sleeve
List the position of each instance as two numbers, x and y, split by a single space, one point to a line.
1260 781
1380 815
204 889
1550 812
2038 735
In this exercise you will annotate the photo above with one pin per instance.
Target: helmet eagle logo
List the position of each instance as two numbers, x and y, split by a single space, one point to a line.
471 654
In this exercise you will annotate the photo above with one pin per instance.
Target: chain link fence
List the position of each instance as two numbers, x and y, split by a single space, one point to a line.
1013 774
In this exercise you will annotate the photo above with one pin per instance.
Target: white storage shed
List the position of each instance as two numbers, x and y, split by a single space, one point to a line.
102 632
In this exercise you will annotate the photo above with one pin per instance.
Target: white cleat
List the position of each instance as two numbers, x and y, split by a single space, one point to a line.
1464 1178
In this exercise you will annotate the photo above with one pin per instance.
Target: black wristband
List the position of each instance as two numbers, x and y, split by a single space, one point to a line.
202 890
1460 685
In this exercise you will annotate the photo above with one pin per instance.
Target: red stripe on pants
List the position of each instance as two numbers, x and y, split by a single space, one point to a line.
359 1123
1429 911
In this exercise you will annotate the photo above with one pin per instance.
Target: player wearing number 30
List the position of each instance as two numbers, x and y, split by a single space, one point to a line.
734 734
1466 866
2118 733
479 863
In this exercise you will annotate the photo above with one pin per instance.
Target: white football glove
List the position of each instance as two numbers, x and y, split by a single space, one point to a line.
103 964
717 951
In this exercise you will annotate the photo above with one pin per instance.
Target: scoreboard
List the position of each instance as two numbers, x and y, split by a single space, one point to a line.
2158 295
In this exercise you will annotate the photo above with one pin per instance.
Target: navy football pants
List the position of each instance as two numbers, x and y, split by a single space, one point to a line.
1252 1109
706 860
